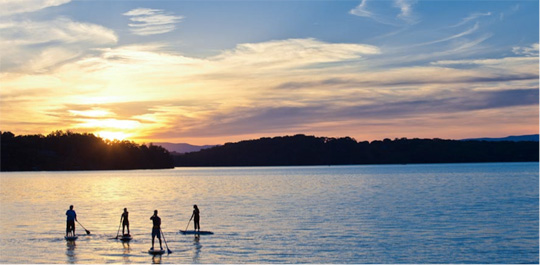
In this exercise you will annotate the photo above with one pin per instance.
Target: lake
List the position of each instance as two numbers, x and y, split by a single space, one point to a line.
436 213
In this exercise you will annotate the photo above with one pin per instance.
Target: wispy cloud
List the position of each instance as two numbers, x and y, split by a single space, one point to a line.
527 51
455 36
12 7
514 9
406 9
471 17
36 46
361 10
292 53
152 21
406 14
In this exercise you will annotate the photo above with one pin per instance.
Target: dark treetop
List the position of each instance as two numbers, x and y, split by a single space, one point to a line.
73 151
310 150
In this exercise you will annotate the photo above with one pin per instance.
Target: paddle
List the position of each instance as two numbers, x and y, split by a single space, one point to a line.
168 250
117 232
87 232
188 223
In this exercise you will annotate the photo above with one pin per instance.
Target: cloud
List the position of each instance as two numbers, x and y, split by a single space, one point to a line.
58 31
293 53
531 51
406 9
39 45
406 13
471 17
151 21
513 10
455 36
12 7
269 120
361 10
441 102
274 87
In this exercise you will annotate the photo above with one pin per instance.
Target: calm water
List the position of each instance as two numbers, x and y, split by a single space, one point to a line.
451 213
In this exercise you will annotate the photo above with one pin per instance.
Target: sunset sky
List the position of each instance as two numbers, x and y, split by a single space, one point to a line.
210 72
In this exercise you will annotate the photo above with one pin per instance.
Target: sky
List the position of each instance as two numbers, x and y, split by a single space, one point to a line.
211 72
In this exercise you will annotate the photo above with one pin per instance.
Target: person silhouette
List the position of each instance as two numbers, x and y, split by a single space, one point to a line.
156 229
125 222
196 218
71 218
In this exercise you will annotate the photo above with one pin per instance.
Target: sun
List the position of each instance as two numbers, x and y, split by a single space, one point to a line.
111 136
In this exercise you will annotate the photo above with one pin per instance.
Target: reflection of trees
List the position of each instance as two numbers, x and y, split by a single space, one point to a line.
310 150
74 151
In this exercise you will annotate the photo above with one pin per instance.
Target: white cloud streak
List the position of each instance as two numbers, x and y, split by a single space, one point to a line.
293 53
361 10
151 21
12 7
455 36
406 13
531 51
406 9
471 17
37 46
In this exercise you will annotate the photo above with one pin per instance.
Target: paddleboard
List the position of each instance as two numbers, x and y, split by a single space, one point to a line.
71 238
126 238
156 251
193 232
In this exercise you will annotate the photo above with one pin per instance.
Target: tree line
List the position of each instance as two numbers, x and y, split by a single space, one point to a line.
75 151
311 150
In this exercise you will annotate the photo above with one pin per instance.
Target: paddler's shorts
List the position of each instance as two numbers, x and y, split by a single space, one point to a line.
70 225
156 232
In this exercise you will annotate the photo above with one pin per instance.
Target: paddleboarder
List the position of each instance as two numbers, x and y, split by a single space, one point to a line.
156 229
196 217
71 218
125 222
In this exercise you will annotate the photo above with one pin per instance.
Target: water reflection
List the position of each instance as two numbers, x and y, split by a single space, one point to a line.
126 252
197 248
70 252
156 259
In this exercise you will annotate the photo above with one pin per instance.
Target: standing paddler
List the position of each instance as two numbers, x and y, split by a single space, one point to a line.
71 218
125 222
156 229
196 218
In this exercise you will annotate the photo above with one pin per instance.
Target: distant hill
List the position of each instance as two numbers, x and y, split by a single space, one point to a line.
520 138
301 150
182 148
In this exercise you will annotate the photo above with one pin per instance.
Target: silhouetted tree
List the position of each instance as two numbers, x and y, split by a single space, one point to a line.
311 150
74 151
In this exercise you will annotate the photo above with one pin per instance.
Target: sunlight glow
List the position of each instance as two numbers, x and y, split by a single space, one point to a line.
109 123
91 113
111 136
